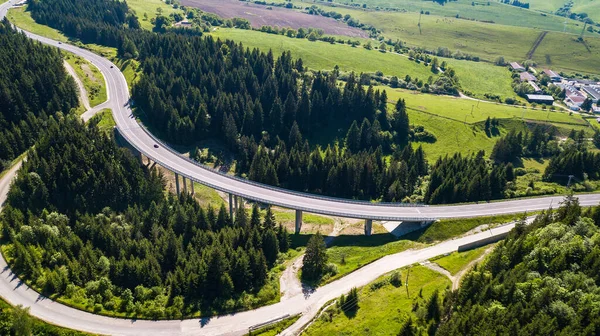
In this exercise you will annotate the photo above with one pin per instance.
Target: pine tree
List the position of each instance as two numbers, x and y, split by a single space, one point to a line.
353 138
401 122
315 258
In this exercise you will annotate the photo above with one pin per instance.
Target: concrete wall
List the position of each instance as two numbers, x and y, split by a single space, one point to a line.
482 242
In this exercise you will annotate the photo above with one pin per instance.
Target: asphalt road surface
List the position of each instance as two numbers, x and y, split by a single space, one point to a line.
138 137
16 292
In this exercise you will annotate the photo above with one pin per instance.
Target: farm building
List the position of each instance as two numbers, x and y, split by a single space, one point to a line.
527 77
593 92
540 99
573 97
535 87
553 75
517 67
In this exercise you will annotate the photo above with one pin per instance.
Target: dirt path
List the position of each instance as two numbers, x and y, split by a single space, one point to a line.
455 279
289 283
83 95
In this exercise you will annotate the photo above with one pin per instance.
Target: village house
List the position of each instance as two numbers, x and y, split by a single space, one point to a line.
593 92
527 77
540 99
517 67
553 75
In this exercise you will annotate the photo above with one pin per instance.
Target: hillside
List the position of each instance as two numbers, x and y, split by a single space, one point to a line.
542 280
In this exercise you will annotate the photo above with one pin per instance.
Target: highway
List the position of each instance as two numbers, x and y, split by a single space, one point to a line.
16 292
144 142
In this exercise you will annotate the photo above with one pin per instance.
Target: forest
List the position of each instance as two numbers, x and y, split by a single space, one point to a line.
84 220
33 86
267 109
542 280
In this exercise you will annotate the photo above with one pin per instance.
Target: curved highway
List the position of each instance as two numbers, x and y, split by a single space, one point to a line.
145 143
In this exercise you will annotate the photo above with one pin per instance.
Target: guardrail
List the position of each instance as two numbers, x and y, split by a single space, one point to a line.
268 323
261 185
272 202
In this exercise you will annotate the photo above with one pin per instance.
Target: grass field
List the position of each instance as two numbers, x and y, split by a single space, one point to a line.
107 122
325 56
21 18
478 78
382 307
349 253
458 130
591 7
482 11
456 261
91 77
149 7
449 228
485 40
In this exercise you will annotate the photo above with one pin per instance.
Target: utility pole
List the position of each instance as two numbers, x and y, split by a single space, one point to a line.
406 283
569 183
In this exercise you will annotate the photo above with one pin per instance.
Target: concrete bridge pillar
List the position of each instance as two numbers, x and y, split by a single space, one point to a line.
298 221
368 226
192 186
230 205
184 184
235 202
177 183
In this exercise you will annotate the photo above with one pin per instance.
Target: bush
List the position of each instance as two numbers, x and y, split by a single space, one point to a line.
395 279
331 269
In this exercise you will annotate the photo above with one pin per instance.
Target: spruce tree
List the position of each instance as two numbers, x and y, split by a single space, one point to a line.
315 258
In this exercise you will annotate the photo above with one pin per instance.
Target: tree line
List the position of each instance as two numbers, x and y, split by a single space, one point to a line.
111 241
542 280
33 86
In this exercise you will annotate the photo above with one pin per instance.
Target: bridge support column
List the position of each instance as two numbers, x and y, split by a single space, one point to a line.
192 187
368 226
235 203
298 221
230 205
184 184
177 183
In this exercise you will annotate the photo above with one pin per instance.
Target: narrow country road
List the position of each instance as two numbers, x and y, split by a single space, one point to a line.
83 94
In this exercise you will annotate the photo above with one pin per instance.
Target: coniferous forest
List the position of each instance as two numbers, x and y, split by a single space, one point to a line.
267 109
86 221
29 95
542 280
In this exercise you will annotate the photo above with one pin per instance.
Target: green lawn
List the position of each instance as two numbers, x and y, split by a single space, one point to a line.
22 19
456 261
207 196
107 123
149 7
382 307
91 77
349 253
449 228
460 109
